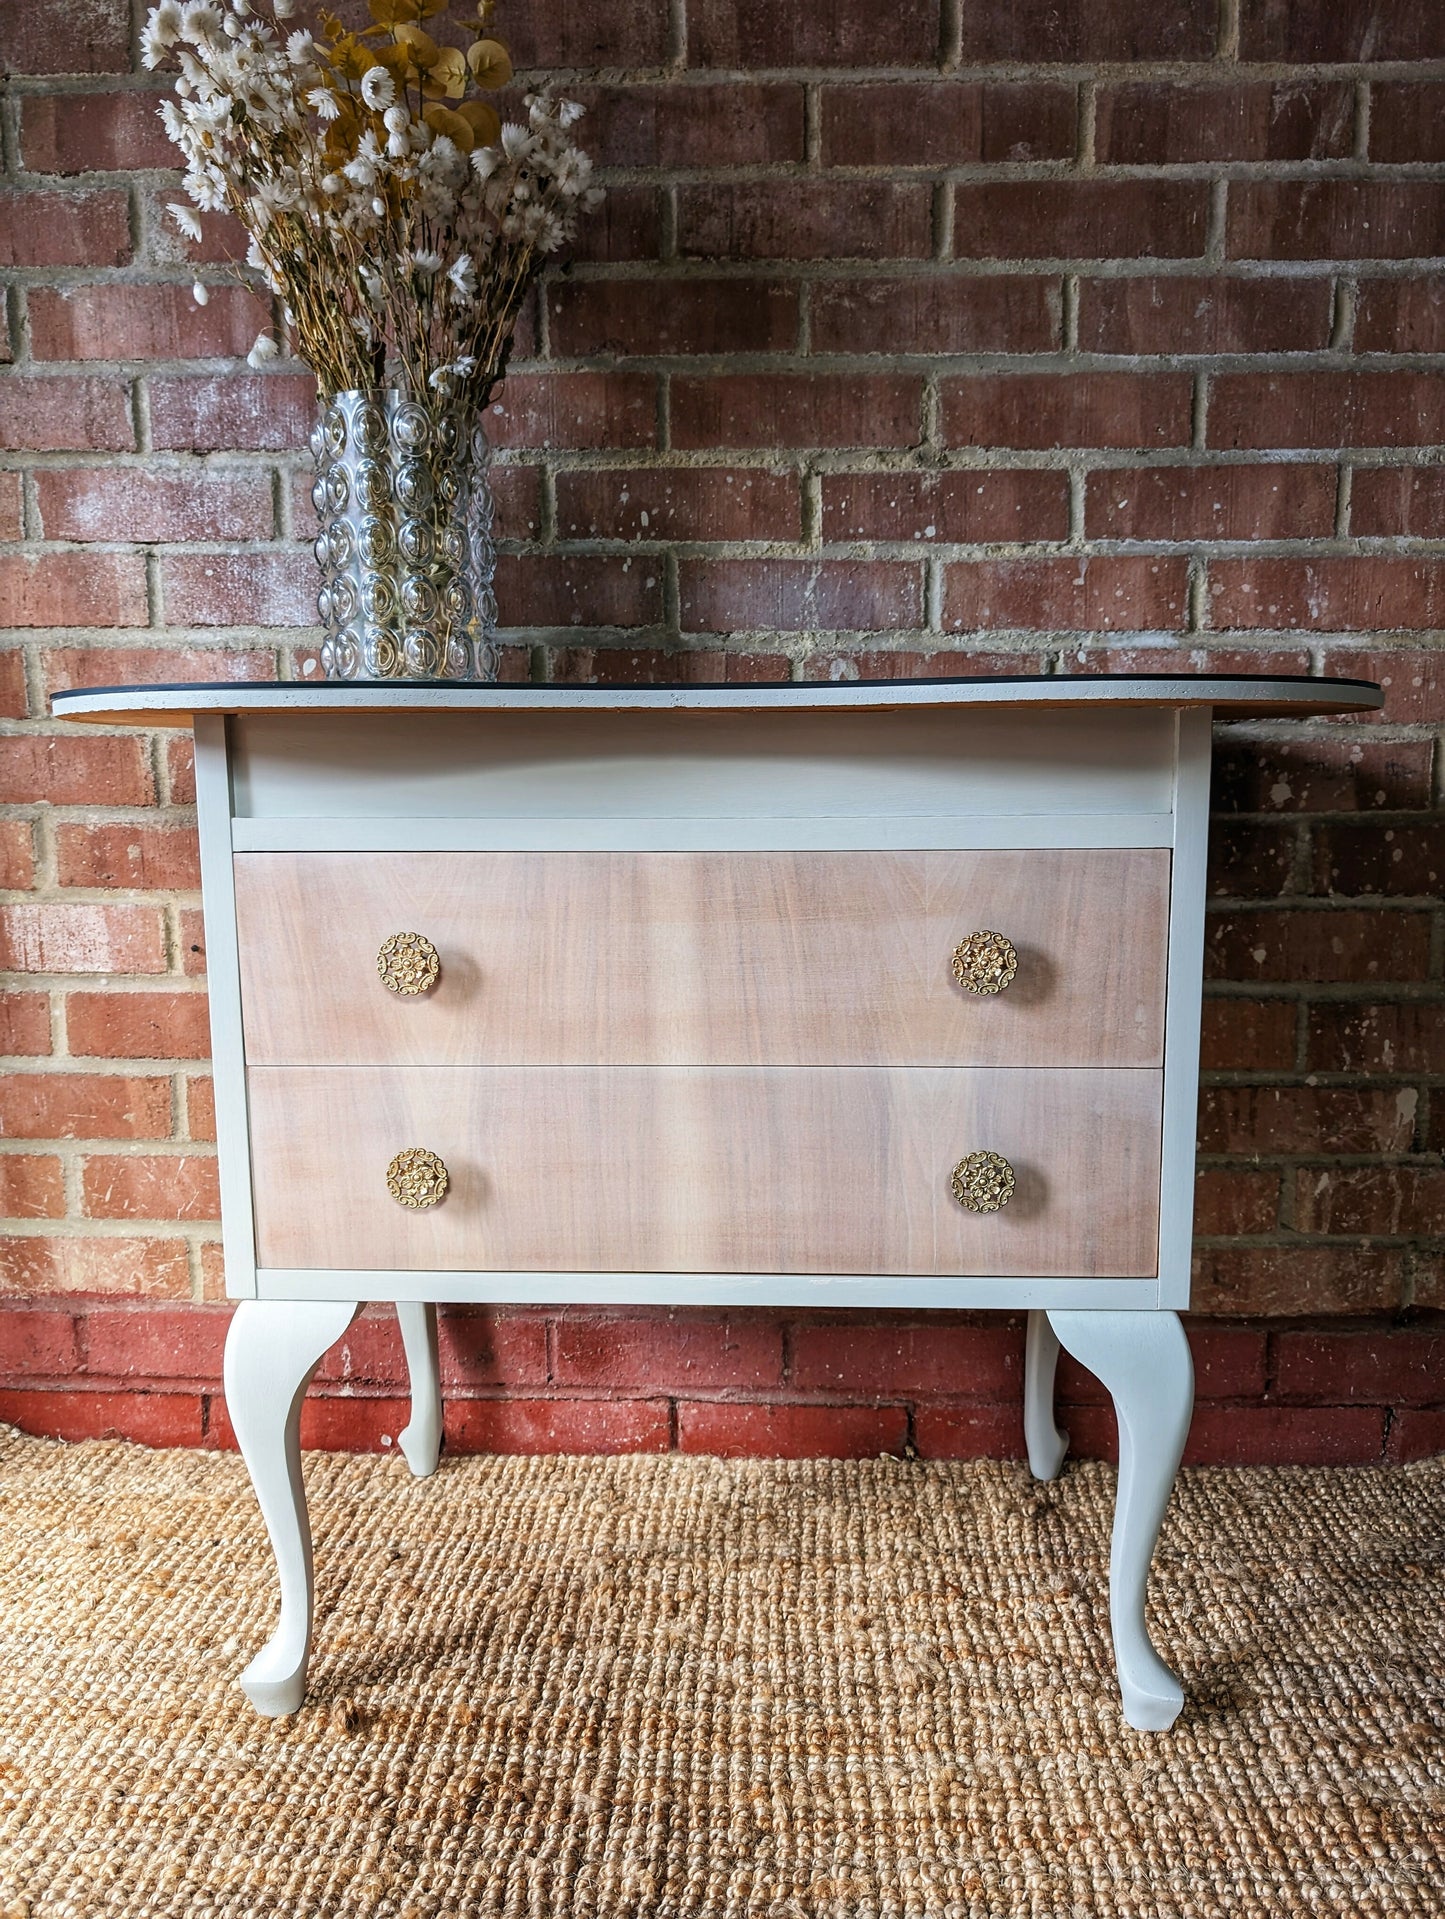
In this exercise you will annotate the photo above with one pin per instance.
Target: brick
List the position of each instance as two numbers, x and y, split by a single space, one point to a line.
1307 945
1058 410
1320 775
1407 120
53 938
1079 219
947 123
1080 594
1335 219
674 1351
938 313
154 1268
517 1425
1285 1436
1380 1367
1326 409
1306 1119
131 855
1398 502
1376 1036
575 410
1415 1435
1320 30
72 589
93 133
95 665
908 663
143 1418
269 412
12 526
84 1106
740 123
492 1347
200 1108
805 219
577 590
1170 659
969 1431
142 323
170 1025
1347 594
1253 1035
1228 1201
155 1341
14 700
1230 1363
792 409
24 1023
1360 858
54 36
1413 683
726 596
193 942
627 226
573 33
44 414
1289 1280
17 855
986 504
1153 314
213 1269
755 33
1044 30
52 229
1211 503
1401 316
783 1430
267 588
1372 1200
664 666
1156 122
160 1186
902 1358
1251 859
133 503
31 1187
670 316
36 1342
651 503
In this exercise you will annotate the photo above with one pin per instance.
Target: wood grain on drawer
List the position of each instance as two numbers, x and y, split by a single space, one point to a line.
729 1169
706 958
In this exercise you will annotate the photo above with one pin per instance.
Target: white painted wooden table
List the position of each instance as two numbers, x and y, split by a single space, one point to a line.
698 1034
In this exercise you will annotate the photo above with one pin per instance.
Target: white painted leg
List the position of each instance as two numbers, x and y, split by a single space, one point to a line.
1144 1361
422 1439
272 1349
1046 1440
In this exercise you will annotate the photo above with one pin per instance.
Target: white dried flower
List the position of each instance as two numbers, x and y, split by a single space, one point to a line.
185 219
463 276
283 9
200 25
201 294
378 89
424 263
485 161
516 141
299 48
265 349
323 103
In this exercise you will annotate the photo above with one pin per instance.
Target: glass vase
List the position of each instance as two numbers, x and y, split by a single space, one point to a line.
405 548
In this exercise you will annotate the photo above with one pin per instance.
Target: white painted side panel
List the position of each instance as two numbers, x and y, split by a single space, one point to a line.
1183 996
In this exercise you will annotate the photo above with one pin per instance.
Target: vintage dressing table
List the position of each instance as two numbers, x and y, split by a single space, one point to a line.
876 995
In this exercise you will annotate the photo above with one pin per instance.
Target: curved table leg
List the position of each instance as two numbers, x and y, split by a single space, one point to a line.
1143 1359
1047 1441
272 1349
421 1441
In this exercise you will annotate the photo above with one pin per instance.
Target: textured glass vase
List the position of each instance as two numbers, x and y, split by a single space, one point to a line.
405 548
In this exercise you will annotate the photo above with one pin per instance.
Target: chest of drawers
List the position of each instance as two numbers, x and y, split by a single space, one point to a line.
868 995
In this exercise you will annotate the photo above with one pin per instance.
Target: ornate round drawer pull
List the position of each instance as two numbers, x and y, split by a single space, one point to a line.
983 1182
985 962
408 963
417 1178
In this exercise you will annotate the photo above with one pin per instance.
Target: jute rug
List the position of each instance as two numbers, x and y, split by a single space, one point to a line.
676 1686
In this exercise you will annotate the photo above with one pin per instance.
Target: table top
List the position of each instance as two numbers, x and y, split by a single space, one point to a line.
1238 696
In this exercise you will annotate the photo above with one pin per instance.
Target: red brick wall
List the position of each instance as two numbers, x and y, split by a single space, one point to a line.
945 336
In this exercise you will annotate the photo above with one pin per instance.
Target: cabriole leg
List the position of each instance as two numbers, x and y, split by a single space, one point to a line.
1047 1442
272 1349
1143 1359
422 1439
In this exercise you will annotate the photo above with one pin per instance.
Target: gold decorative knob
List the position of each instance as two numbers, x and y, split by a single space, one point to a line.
985 962
417 1178
983 1182
408 963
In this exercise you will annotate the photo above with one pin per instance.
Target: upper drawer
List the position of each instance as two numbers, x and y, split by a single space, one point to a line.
788 959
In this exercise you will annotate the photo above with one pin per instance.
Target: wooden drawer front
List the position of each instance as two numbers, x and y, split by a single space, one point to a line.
729 1169
705 958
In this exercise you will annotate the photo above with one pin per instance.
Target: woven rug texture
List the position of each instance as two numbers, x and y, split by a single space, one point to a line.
658 1686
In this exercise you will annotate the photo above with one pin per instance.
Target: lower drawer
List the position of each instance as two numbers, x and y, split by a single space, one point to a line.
717 1169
